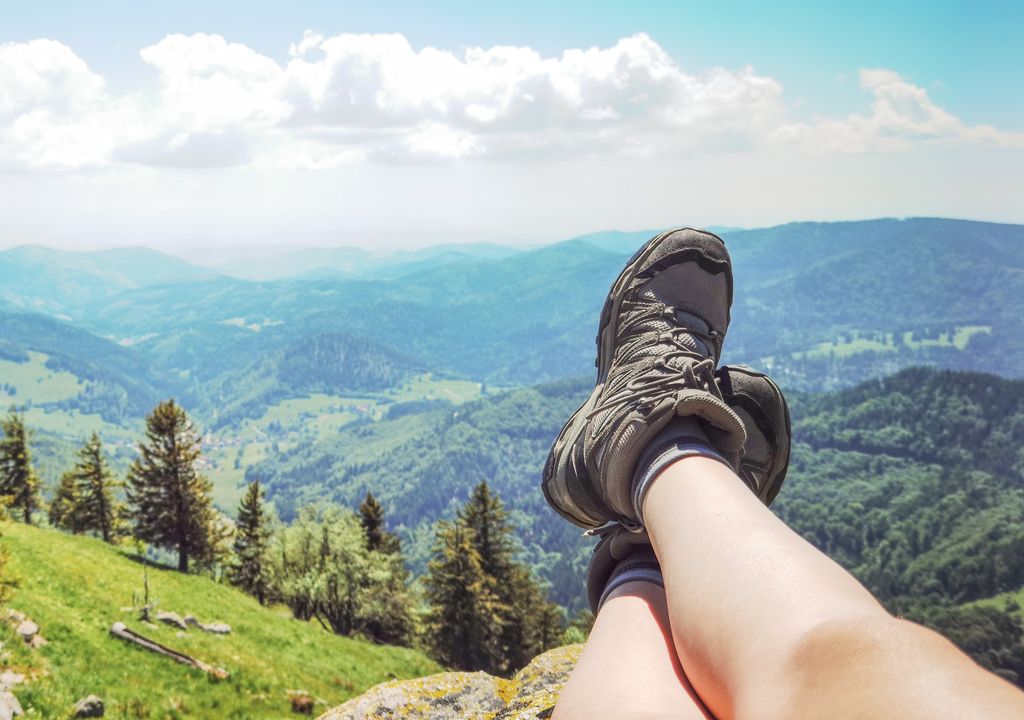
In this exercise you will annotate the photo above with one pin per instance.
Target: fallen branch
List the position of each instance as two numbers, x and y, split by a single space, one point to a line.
120 630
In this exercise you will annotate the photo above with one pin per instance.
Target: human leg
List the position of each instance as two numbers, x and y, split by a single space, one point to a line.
771 627
629 667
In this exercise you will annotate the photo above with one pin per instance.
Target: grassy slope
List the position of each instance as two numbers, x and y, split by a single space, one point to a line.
75 587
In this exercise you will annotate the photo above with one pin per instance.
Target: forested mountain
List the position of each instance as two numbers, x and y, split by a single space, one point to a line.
915 482
329 363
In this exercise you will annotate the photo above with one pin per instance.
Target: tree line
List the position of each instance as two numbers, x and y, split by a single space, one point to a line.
476 608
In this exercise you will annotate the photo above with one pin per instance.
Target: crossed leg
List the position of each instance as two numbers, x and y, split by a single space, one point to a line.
629 668
766 626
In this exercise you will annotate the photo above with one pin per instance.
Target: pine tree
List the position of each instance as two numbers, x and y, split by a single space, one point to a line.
371 515
64 506
251 533
527 623
171 505
96 509
18 481
464 618
485 515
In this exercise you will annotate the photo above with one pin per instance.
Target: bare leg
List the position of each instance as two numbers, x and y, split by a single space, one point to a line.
629 667
769 627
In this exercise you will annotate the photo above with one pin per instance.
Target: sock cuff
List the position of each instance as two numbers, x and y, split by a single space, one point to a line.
637 571
652 463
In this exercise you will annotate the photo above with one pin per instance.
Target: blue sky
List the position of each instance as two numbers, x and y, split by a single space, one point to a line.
895 96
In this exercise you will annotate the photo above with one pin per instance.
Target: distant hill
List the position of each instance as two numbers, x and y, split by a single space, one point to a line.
76 587
820 305
39 278
283 262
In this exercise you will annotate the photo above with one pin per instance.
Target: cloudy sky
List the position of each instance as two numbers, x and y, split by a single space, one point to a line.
403 124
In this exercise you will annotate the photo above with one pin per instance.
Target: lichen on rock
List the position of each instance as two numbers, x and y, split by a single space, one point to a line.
529 695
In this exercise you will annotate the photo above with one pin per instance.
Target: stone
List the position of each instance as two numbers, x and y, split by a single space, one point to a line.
217 628
9 705
171 618
89 707
37 642
15 616
302 703
10 679
529 695
27 629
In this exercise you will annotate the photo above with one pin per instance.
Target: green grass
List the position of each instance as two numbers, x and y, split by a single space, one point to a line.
76 587
35 382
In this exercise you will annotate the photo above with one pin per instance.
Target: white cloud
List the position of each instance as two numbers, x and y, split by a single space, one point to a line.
901 116
365 98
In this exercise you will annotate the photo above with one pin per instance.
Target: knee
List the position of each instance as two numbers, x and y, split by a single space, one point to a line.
829 662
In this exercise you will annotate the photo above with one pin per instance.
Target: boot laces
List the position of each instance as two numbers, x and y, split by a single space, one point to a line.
664 377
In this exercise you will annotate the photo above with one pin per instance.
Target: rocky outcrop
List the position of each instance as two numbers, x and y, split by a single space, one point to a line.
529 695
89 707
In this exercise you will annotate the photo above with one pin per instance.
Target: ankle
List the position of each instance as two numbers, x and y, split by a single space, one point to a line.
683 437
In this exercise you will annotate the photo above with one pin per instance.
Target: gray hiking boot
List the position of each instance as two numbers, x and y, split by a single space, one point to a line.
765 414
761 406
660 337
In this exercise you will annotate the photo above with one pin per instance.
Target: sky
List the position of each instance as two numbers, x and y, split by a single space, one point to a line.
188 125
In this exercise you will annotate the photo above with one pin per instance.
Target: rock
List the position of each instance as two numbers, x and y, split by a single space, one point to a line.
171 618
9 705
217 628
9 679
302 703
89 707
464 696
15 616
27 629
38 641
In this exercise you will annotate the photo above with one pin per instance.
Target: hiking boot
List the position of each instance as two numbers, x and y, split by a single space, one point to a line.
660 337
761 406
607 569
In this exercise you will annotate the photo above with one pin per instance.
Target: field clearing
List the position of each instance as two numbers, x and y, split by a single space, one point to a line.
36 383
890 342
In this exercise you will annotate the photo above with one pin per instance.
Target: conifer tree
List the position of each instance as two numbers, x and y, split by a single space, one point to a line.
64 506
96 509
18 481
464 619
171 505
248 571
371 515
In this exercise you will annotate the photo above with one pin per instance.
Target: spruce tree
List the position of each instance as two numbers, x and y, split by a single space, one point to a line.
96 510
64 506
171 505
371 515
251 534
18 481
464 620
526 618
